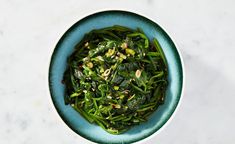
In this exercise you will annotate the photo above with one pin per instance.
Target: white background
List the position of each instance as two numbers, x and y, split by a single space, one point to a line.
202 29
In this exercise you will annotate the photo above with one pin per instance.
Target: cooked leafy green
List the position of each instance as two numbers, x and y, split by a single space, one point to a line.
116 78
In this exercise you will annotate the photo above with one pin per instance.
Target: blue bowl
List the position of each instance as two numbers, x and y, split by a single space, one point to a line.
64 49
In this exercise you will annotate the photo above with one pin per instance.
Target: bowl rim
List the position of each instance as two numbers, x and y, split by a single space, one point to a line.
181 93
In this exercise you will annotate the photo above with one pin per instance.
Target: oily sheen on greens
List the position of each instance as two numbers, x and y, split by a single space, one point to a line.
116 78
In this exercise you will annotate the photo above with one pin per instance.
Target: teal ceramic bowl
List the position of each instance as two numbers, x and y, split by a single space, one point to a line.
65 47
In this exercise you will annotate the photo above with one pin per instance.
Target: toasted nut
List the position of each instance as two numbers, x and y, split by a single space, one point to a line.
138 73
90 65
124 45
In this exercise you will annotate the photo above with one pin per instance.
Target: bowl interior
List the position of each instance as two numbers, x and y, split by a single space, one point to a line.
65 47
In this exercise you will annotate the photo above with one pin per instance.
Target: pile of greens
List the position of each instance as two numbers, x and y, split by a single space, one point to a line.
116 78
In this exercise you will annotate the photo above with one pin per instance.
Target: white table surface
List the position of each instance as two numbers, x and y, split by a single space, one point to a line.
202 29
